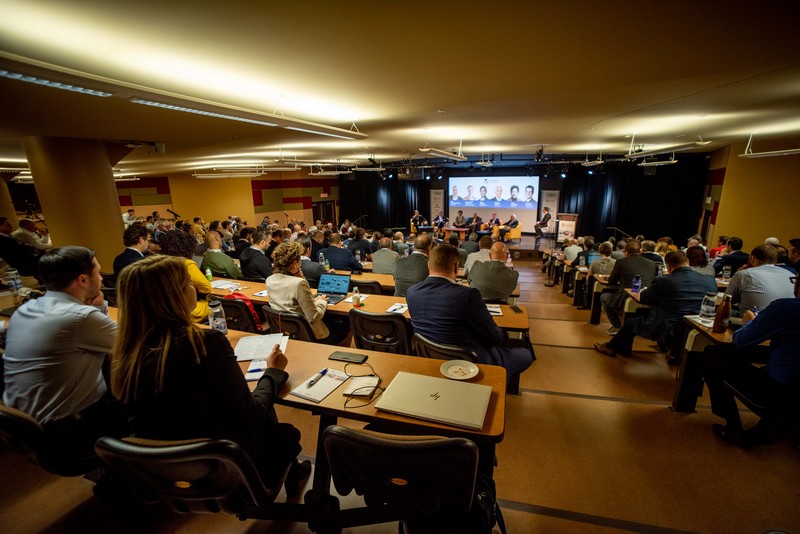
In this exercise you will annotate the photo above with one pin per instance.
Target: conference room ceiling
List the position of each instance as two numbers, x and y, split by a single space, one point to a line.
502 78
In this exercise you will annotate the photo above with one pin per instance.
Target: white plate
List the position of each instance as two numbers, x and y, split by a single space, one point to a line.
459 369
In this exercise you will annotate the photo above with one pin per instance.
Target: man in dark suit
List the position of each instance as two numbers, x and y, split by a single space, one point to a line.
312 270
24 258
513 222
317 244
625 270
137 240
734 257
671 297
543 223
492 278
253 260
339 257
474 223
413 268
447 312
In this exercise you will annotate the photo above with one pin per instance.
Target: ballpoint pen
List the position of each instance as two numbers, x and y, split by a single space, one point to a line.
317 377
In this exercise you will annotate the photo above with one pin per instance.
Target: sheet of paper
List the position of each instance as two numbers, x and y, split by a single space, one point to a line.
362 385
255 370
223 284
350 298
322 388
397 307
494 309
255 347
263 293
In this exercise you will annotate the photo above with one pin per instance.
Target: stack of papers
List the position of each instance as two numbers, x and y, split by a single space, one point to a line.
350 298
224 284
362 385
259 347
494 309
331 380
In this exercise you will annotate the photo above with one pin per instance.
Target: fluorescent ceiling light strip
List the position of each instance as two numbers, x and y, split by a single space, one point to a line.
658 163
327 133
127 179
368 169
667 150
443 153
48 83
771 154
173 107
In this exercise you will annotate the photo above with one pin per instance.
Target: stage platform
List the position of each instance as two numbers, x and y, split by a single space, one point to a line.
530 248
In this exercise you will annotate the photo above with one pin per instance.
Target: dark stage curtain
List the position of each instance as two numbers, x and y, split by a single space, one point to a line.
386 203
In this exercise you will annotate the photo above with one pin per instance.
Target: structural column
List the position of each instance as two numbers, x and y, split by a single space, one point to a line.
75 184
6 205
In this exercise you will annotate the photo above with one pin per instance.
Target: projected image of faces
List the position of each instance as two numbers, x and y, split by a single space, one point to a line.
513 192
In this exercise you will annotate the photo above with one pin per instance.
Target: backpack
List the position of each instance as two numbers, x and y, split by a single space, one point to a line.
246 300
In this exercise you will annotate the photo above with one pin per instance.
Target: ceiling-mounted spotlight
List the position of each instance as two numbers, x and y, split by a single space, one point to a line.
458 156
598 161
635 151
539 153
657 162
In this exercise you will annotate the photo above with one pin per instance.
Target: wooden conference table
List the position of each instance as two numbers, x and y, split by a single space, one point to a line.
387 280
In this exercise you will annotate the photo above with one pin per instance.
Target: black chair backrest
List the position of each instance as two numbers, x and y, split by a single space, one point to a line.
201 476
24 435
430 349
368 287
109 280
252 279
292 324
386 332
238 316
110 294
495 301
395 472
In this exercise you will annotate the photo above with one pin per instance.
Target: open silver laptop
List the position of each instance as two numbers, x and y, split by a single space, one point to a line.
437 399
335 286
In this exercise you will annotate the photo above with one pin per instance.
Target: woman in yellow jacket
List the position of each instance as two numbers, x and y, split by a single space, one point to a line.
181 245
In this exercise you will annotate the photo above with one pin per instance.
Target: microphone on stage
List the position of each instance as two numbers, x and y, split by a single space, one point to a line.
173 213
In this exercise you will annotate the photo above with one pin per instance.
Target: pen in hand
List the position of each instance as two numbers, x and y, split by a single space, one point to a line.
317 377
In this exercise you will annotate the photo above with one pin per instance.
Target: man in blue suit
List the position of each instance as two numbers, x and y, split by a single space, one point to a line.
447 312
670 297
339 257
136 239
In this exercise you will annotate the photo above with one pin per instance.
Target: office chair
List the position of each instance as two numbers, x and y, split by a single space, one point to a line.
25 436
385 332
238 316
191 476
252 279
292 324
367 287
396 475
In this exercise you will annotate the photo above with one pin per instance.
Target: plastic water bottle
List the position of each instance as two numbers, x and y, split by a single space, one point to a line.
659 269
327 264
14 283
321 258
358 256
636 285
216 317
726 273
209 276
709 306
582 261
356 298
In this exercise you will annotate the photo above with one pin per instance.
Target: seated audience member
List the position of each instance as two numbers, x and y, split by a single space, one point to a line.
339 257
375 241
30 234
398 244
254 261
512 222
220 263
462 254
129 218
794 254
385 259
774 241
317 244
358 243
760 282
277 239
55 351
698 260
161 229
602 265
246 237
24 258
475 223
483 254
722 244
199 227
732 256
460 221
412 268
572 250
312 270
136 239
771 385
182 382
587 254
447 312
625 270
492 278
649 252
543 223
783 259
181 245
290 291
225 233
619 249
345 227
670 298
470 244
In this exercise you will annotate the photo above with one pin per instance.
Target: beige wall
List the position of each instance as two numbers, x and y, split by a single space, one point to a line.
211 199
760 196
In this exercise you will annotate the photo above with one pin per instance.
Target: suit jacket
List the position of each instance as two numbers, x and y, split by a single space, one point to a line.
127 257
735 259
316 248
399 247
470 246
512 224
384 261
625 270
462 257
341 258
545 220
293 294
671 297
255 264
493 279
24 258
312 271
494 222
456 315
408 271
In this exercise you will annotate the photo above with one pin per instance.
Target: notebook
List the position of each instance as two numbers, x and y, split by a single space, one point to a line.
335 286
436 399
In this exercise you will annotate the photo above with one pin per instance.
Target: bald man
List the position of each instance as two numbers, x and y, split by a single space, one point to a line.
215 259
492 278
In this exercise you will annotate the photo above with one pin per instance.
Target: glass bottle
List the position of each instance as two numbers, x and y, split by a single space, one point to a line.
723 316
216 317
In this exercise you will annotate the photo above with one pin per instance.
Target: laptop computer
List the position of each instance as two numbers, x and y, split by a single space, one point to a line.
436 399
334 286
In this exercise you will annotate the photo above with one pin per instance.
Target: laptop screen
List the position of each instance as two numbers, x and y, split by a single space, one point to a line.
337 284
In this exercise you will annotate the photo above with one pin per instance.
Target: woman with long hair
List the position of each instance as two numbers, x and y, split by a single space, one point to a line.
289 291
182 382
181 245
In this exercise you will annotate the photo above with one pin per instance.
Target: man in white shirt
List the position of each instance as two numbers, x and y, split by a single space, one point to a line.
129 218
482 255
571 252
29 234
760 281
